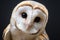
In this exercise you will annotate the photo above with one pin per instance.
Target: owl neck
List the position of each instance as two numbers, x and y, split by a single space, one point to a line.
21 35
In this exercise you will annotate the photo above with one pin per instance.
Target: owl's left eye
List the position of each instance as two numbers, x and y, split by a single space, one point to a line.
24 15
37 19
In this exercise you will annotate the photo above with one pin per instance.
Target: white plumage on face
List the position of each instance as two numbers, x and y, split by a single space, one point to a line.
30 19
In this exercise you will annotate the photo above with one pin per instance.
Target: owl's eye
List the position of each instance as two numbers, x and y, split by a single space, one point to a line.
37 19
24 15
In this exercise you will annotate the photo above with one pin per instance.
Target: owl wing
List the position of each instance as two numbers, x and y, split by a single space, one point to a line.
44 36
7 33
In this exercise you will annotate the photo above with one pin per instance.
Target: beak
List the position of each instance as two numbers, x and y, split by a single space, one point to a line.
29 23
29 26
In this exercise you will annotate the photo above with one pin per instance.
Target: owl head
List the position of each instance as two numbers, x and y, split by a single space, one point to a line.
29 17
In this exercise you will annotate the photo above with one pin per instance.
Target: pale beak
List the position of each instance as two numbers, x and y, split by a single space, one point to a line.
29 26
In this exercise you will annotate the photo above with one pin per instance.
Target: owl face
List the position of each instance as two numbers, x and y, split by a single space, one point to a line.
29 19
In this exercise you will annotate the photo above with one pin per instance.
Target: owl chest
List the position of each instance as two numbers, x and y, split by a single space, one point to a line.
18 35
23 37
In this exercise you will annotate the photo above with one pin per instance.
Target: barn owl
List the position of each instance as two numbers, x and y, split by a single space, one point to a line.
28 22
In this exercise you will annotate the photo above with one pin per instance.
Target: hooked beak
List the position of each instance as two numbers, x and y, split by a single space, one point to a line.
29 26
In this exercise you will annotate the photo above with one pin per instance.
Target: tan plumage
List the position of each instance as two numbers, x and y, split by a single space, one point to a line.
27 29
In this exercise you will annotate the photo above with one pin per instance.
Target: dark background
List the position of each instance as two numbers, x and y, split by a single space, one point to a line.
53 25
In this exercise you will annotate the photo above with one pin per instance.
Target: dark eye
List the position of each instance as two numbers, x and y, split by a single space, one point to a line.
37 19
24 15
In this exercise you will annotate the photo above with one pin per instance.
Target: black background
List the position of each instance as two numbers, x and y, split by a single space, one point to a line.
53 25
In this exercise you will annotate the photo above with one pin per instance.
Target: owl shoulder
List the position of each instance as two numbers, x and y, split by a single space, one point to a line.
43 36
7 33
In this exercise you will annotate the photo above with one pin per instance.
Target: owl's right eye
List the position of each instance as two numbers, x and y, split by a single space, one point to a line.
24 15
